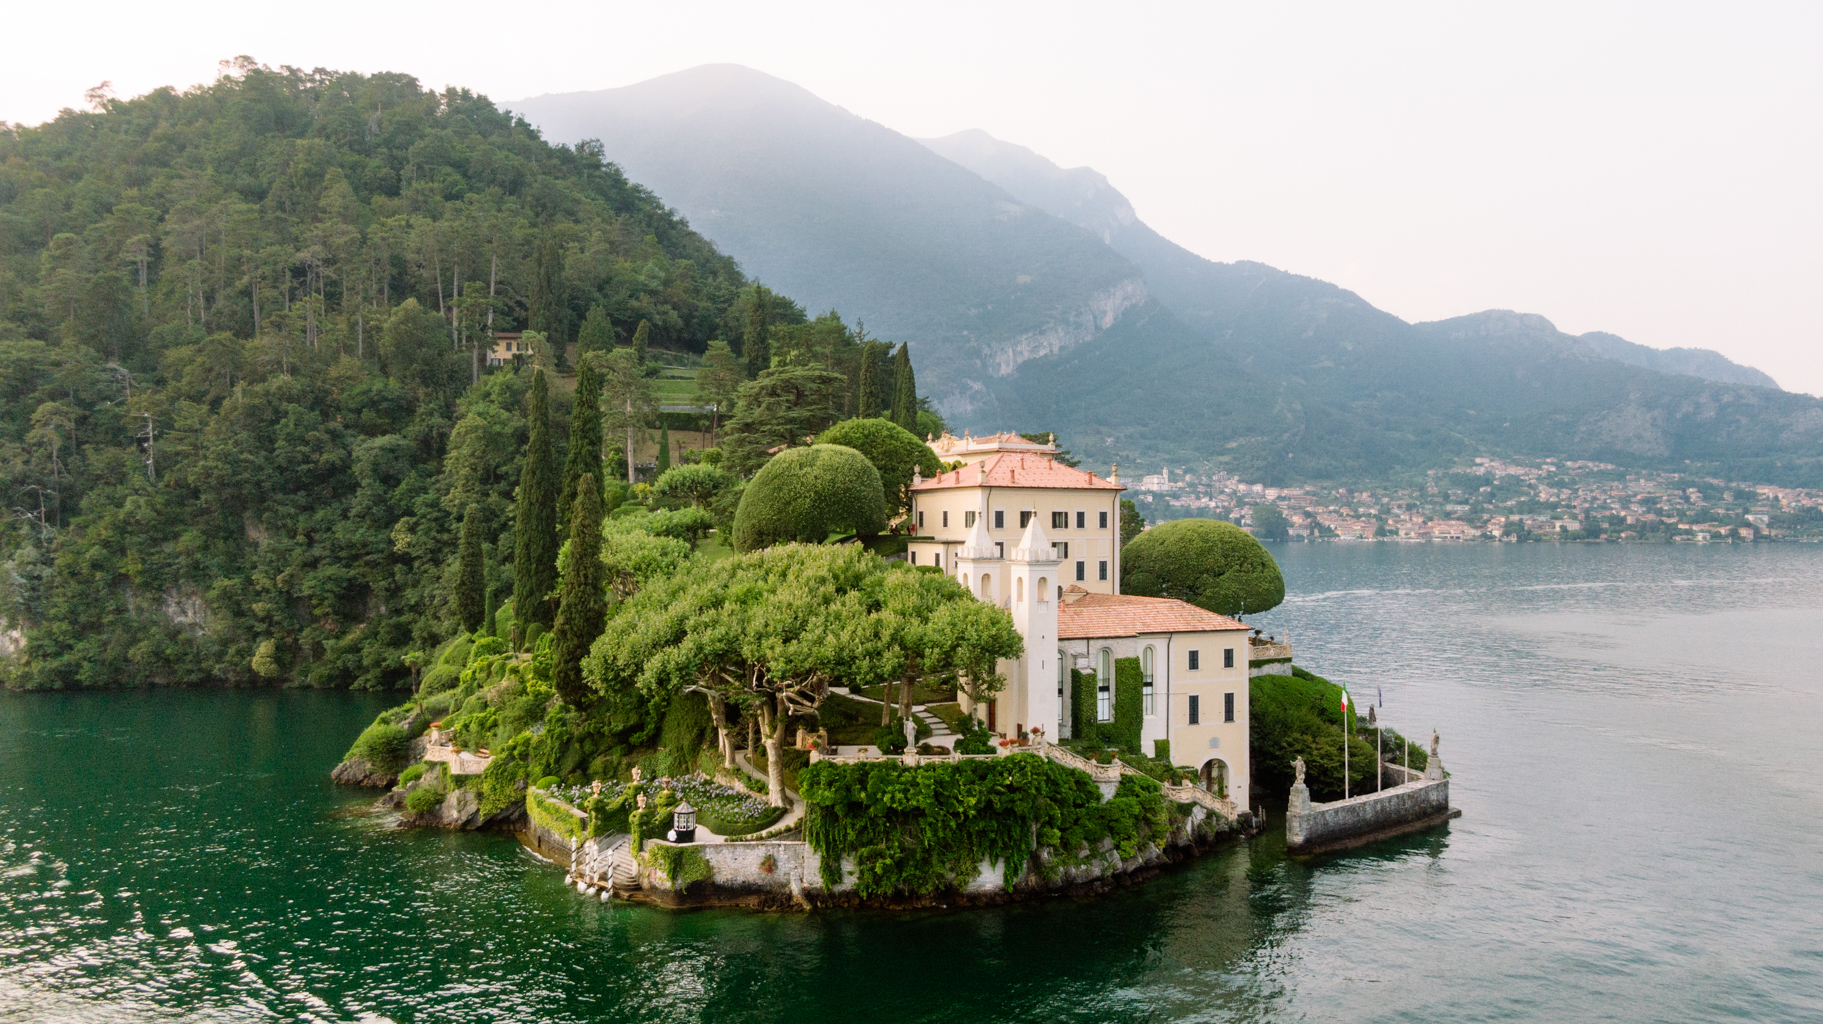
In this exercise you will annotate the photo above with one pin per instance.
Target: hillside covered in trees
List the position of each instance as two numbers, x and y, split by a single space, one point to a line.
244 408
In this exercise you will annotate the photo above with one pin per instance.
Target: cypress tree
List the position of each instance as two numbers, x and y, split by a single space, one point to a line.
597 334
535 521
471 573
584 607
642 340
585 436
756 344
549 303
664 449
905 390
868 405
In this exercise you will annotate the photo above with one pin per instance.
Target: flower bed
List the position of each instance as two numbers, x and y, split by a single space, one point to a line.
721 809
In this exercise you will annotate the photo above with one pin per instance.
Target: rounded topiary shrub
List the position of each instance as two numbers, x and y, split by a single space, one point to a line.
1207 562
892 449
423 800
807 494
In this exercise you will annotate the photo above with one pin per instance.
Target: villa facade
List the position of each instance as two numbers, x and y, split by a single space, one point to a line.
1042 540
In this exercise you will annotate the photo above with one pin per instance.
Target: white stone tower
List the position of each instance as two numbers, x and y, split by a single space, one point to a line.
1031 681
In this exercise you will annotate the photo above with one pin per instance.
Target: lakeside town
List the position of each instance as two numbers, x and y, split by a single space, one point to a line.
1496 499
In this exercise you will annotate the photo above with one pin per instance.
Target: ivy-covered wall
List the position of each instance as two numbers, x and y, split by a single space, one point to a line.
1129 704
922 830
1082 705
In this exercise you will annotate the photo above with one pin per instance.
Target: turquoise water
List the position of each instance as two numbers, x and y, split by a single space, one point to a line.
1634 735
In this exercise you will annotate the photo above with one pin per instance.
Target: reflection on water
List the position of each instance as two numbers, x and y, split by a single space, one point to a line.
1631 730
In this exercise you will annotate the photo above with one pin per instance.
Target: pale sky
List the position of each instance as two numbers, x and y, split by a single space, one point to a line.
1652 169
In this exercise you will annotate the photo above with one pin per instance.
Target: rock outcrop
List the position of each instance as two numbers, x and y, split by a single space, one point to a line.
357 771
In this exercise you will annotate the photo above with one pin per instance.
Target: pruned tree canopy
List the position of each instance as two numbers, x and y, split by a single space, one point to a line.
1207 562
892 449
807 494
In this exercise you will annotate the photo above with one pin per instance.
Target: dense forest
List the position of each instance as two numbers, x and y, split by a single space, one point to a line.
244 406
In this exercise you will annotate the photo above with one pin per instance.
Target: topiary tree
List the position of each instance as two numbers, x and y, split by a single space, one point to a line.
1207 562
892 449
695 485
806 494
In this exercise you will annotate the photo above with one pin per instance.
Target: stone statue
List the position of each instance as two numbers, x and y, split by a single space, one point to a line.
1298 767
595 787
1433 743
911 735
640 799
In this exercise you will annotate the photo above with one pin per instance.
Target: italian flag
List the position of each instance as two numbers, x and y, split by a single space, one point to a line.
1344 702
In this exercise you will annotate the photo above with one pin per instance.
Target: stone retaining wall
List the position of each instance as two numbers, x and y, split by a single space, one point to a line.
1312 828
740 875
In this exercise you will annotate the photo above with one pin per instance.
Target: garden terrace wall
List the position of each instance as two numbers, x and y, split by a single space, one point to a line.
1340 824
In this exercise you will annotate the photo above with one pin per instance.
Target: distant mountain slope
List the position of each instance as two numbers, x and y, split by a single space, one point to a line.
1203 292
1403 395
839 212
1691 362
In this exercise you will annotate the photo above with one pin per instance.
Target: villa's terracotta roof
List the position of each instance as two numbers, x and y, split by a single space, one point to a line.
1101 616
1017 469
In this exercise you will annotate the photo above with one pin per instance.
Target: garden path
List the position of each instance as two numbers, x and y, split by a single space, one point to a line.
794 813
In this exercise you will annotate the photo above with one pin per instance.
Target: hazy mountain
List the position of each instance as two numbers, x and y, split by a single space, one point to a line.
1493 381
1692 362
1204 292
839 212
1034 298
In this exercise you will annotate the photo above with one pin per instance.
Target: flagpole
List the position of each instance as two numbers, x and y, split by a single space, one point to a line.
1344 744
1379 782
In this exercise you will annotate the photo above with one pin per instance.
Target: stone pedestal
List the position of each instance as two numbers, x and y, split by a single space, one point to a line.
1300 800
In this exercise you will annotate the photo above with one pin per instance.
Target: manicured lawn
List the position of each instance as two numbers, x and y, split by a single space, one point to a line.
920 694
950 713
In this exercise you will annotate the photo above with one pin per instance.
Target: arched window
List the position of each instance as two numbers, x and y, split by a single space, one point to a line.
1043 591
1019 588
965 581
987 587
1104 687
1145 674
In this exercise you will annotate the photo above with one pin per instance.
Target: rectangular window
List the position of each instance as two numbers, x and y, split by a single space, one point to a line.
1227 707
1081 519
1061 549
1196 658
1082 570
914 558
1000 519
1147 691
1228 657
1060 520
937 559
1000 548
1025 519
1196 711
1104 570
946 520
920 520
968 519
1104 521
1104 702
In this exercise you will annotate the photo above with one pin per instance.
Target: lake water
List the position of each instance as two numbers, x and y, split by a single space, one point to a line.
1634 734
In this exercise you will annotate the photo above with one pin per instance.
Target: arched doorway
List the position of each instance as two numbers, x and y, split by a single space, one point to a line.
1214 776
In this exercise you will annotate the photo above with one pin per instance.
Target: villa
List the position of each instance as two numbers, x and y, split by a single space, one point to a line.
1041 539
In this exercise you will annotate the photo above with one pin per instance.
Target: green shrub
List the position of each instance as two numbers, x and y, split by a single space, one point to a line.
890 738
1207 562
548 781
1300 715
686 730
385 747
892 449
440 678
810 494
412 774
1082 704
456 653
487 647
681 864
1161 749
1129 703
553 816
423 800
972 736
